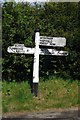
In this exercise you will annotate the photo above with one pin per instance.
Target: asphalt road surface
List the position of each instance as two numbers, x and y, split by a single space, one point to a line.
71 114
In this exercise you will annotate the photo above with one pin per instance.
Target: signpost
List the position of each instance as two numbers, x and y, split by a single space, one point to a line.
40 41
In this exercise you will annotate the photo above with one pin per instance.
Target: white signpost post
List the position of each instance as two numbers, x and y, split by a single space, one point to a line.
40 41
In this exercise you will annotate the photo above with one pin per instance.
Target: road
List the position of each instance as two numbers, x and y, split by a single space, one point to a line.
70 114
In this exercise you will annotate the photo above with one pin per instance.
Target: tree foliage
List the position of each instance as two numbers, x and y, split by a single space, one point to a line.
19 21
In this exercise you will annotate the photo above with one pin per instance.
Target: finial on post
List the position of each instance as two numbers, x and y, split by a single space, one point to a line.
37 30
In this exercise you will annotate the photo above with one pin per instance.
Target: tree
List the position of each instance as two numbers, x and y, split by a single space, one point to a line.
54 19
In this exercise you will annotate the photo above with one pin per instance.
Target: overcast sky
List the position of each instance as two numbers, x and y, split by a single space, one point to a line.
34 0
41 0
25 0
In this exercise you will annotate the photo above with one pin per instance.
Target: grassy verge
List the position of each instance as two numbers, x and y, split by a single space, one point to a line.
53 93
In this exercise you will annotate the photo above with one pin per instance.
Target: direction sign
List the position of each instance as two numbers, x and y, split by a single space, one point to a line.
42 51
18 45
45 51
20 50
52 41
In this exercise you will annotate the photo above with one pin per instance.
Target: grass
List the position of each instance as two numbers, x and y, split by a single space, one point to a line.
0 99
53 93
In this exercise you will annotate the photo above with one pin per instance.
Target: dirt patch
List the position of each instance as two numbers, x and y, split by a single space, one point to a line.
66 114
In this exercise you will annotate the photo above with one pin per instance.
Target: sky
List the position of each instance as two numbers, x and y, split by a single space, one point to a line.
31 0
34 0
25 0
40 0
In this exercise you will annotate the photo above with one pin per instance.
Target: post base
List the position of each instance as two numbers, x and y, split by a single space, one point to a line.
35 89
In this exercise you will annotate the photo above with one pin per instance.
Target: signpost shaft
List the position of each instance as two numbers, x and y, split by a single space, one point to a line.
36 64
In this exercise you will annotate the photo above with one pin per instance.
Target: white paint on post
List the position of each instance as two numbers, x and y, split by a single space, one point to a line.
36 59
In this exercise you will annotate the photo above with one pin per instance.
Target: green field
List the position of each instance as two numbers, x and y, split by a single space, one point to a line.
53 93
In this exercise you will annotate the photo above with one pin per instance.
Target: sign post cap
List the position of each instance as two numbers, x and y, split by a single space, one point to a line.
37 30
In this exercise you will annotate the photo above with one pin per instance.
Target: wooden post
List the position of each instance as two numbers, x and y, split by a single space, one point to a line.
36 64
